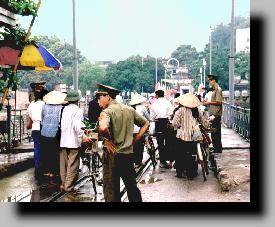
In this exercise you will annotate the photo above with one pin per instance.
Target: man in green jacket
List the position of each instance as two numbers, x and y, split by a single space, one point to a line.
116 124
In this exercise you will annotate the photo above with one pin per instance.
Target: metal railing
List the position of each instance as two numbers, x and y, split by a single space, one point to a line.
237 118
15 130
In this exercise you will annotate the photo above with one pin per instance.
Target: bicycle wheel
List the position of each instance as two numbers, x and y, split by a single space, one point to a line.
152 151
3 143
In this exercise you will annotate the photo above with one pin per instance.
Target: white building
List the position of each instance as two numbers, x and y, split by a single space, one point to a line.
243 40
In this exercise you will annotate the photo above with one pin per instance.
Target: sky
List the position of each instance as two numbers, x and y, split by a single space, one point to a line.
116 29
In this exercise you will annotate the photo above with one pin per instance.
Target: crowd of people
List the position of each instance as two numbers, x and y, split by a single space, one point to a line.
56 123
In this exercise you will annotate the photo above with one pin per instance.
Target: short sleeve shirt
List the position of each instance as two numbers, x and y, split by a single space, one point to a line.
120 120
35 113
216 110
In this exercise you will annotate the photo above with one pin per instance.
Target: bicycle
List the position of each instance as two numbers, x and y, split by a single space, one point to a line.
91 157
203 151
3 137
151 149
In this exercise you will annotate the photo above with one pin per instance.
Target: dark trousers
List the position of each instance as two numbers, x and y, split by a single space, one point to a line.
186 160
216 136
115 167
50 157
138 151
36 145
162 137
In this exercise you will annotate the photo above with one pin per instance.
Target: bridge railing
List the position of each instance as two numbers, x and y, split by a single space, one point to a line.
14 131
238 117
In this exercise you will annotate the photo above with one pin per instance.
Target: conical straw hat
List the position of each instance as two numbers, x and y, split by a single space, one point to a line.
136 99
189 100
54 98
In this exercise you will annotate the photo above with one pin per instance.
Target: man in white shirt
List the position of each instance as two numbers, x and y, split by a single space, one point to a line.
161 111
71 138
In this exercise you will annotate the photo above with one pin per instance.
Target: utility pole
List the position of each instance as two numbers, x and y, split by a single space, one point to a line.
201 74
75 70
231 65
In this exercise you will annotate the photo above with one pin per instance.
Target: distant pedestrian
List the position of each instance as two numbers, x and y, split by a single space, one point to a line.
71 139
34 114
160 112
137 103
201 92
116 125
215 110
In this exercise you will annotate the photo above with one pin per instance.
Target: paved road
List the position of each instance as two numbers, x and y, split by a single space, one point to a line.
162 185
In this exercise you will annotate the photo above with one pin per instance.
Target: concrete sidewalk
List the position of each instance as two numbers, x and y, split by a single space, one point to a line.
232 167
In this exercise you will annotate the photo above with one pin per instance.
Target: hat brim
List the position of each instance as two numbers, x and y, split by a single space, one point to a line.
137 99
136 102
101 93
189 100
54 98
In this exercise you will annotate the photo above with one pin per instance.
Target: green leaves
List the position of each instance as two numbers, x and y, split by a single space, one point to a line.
87 125
8 78
131 75
14 37
21 7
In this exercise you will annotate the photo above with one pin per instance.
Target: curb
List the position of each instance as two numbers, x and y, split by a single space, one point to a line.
7 170
226 179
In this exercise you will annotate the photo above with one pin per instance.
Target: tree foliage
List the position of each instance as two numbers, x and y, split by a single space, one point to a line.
131 75
188 56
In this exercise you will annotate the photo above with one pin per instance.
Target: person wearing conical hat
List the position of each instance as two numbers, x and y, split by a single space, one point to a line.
215 109
50 160
184 121
116 125
137 103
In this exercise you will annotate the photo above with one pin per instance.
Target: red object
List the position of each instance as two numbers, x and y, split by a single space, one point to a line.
8 56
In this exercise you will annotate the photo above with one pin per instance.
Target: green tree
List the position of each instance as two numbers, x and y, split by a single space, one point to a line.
242 65
89 75
131 75
186 55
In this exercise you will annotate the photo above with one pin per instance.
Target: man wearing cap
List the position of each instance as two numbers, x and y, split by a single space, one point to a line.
116 124
71 138
215 109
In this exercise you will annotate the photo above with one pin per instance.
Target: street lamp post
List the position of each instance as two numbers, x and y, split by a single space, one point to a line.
201 74
231 64
75 71
204 65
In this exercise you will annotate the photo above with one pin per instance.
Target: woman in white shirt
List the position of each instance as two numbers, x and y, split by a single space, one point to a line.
34 113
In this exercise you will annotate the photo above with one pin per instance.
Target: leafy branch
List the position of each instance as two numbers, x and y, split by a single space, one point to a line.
14 37
21 7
